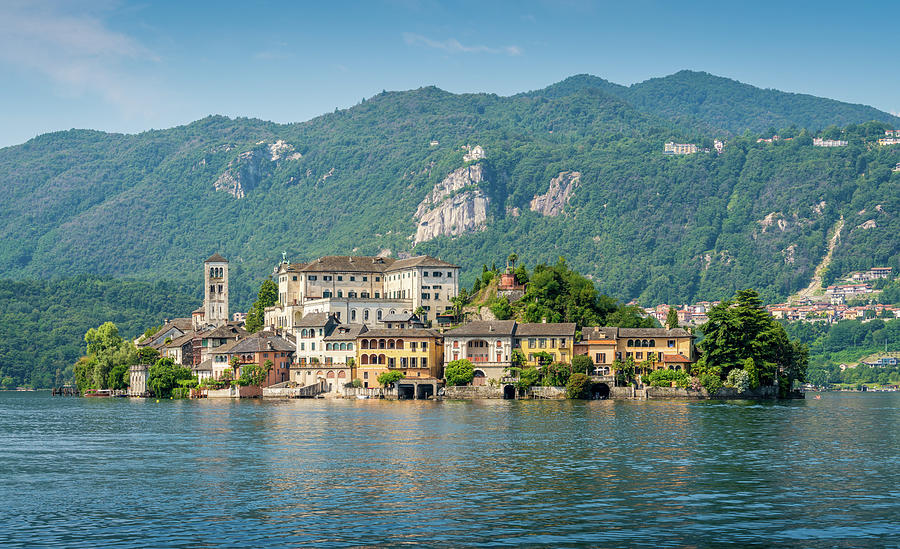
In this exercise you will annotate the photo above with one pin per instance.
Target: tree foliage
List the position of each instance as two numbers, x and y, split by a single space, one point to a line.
266 297
164 376
741 329
105 366
459 372
578 386
386 379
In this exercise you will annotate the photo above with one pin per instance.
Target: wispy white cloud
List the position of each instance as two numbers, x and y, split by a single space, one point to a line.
77 51
452 45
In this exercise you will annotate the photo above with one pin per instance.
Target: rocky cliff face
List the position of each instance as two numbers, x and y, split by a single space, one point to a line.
249 168
562 187
455 206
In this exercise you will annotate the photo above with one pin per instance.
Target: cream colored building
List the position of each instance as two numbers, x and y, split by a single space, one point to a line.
356 288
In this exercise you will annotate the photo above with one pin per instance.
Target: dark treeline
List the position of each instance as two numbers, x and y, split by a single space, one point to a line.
43 323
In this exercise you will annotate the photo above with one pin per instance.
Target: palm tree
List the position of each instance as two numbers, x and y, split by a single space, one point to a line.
511 262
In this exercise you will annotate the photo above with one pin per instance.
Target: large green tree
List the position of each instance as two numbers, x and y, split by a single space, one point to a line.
741 329
106 363
164 376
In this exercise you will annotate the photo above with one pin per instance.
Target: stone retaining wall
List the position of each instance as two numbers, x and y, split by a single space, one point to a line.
473 392
723 393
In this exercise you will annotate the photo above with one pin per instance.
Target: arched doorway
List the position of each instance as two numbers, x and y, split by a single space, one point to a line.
600 391
509 391
479 378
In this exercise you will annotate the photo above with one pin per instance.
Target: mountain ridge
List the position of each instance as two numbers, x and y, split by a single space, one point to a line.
643 225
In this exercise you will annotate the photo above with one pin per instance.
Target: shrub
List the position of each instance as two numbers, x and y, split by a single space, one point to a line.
752 373
528 377
578 386
459 372
738 379
664 378
556 374
501 308
583 364
711 382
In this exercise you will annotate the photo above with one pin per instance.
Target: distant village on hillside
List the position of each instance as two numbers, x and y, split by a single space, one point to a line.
891 137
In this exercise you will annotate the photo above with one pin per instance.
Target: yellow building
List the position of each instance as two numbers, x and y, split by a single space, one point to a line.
416 352
555 339
673 349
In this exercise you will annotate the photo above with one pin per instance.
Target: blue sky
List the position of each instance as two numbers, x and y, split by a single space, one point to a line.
130 66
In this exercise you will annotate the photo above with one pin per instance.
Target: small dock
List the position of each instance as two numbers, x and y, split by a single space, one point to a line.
65 390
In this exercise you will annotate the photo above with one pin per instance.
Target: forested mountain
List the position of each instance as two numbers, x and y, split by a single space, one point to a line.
733 107
42 323
575 170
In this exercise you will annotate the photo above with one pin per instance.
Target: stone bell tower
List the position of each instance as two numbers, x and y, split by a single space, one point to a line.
215 290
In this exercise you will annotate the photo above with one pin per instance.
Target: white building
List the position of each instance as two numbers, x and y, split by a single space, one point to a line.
679 148
356 288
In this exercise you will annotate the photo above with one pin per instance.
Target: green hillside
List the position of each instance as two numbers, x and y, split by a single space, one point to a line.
642 225
724 104
42 323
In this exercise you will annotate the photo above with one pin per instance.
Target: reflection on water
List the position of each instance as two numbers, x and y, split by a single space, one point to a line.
96 472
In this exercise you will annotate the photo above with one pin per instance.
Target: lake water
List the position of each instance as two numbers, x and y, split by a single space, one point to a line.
137 473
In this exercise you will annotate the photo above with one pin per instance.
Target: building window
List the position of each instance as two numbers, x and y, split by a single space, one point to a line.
552 342
436 274
365 279
326 278
424 362
377 279
562 342
424 345
365 375
311 277
295 278
671 343
425 274
455 344
426 296
639 355
413 345
340 278
352 315
412 362
449 274
532 342
377 295
542 343
366 314
340 293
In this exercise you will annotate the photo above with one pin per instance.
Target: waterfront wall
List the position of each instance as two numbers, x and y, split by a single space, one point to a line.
234 392
615 393
473 392
703 394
